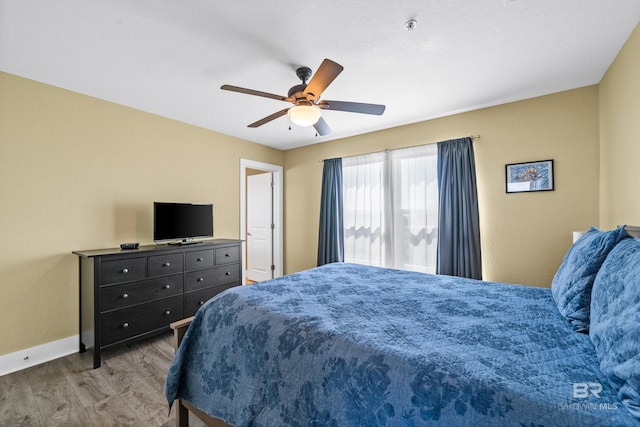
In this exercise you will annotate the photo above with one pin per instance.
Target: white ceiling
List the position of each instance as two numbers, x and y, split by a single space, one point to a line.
170 57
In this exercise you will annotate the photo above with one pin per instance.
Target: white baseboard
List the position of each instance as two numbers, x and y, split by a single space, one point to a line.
26 358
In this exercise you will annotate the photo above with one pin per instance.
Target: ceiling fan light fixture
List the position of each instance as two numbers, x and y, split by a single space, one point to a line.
304 115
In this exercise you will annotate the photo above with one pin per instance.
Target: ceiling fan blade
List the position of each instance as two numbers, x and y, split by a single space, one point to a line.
255 92
268 118
353 107
326 73
322 127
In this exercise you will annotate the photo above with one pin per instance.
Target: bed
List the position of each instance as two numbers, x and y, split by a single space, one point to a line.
352 345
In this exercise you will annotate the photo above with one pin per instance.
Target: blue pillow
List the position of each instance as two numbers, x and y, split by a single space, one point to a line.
615 321
572 283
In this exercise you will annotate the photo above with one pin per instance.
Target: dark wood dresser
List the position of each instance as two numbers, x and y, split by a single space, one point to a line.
127 295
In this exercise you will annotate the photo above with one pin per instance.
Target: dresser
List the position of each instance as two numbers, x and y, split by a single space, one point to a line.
127 295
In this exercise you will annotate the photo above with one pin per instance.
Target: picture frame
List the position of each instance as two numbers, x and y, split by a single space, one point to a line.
529 176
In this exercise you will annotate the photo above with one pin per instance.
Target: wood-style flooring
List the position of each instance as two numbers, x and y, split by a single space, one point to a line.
127 390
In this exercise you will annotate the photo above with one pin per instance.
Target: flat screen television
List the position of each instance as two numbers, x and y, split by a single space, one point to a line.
181 222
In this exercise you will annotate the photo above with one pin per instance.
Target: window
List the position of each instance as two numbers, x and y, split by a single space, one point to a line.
391 208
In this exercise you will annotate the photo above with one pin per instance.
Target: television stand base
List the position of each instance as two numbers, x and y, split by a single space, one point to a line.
184 243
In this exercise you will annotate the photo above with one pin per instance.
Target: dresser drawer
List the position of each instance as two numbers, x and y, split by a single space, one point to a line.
126 294
119 325
160 265
198 260
227 255
194 300
194 280
122 270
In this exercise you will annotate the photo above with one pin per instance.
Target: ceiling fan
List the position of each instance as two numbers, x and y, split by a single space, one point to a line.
306 99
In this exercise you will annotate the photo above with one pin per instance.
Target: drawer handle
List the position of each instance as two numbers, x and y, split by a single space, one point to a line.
125 325
228 273
200 279
166 264
227 255
125 270
200 259
168 312
167 286
125 296
200 302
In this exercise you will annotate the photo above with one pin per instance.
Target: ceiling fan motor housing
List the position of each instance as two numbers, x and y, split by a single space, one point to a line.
297 92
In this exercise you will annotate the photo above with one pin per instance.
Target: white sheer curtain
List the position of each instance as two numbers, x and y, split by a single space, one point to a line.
363 197
391 208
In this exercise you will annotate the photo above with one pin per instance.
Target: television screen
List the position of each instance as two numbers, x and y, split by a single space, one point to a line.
181 221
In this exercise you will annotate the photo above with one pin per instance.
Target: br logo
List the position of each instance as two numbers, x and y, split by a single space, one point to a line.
583 390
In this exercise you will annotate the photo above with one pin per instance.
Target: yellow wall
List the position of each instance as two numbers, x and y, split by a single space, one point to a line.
525 235
80 173
620 137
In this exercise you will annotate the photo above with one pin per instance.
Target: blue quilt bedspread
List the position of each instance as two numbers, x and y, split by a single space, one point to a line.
350 345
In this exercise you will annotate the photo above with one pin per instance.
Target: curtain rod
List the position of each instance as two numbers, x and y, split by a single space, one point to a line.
473 137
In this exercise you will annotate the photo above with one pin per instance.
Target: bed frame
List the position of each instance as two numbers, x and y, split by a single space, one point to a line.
633 231
183 407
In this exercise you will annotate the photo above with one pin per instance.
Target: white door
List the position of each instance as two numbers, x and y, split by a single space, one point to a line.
259 227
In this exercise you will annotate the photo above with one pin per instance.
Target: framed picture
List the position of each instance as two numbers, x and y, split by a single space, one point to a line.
529 176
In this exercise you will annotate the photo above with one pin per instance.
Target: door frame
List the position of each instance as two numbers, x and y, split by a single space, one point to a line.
278 235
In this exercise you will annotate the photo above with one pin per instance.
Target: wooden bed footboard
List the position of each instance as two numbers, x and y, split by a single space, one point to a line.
183 407
179 329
